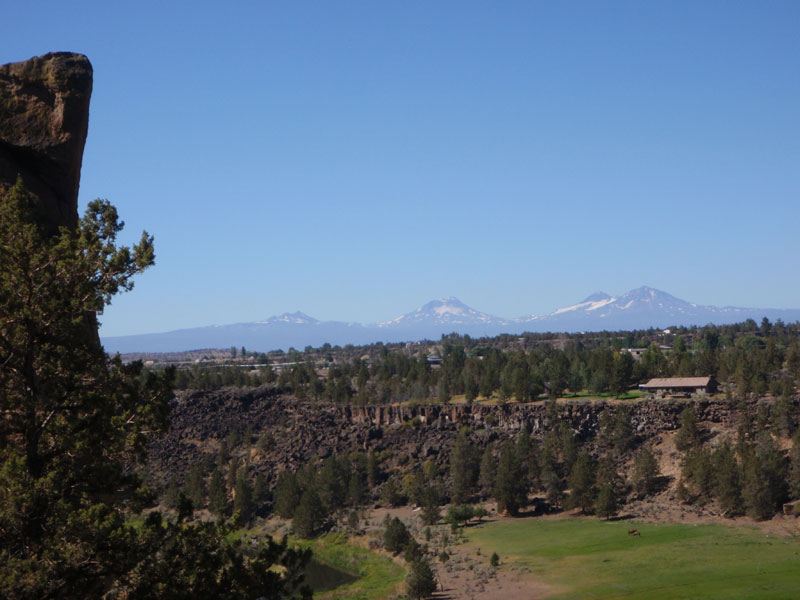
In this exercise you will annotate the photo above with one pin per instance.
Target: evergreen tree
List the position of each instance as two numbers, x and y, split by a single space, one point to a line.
608 484
172 494
727 481
373 470
688 435
195 486
698 472
510 490
74 422
443 389
528 456
287 494
309 515
330 484
395 534
581 482
243 505
764 481
430 506
356 489
794 468
390 494
606 505
260 491
645 473
486 477
622 436
463 468
420 582
217 496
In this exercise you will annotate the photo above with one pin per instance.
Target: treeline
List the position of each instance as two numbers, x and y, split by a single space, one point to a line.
745 357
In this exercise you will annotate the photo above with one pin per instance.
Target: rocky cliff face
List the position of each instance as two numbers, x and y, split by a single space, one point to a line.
303 431
44 119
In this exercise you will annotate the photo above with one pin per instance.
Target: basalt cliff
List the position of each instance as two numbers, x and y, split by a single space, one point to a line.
306 431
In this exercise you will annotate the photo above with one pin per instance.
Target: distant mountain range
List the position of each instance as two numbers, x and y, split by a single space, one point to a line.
641 308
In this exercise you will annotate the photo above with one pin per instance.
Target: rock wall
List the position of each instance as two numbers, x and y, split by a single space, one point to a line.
304 430
44 119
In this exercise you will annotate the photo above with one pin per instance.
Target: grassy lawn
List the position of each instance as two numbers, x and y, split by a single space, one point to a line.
586 558
343 570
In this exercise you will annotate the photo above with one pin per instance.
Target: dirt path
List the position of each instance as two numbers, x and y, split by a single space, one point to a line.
466 575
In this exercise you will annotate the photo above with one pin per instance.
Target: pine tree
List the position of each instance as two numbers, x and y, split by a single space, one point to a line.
420 582
528 456
698 471
373 470
243 505
606 505
581 482
764 480
645 473
260 491
688 435
217 496
74 421
395 534
622 436
486 477
794 468
463 468
510 489
430 506
608 484
195 486
356 489
287 494
727 480
309 515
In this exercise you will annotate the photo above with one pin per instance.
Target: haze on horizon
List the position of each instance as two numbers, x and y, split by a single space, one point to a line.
352 160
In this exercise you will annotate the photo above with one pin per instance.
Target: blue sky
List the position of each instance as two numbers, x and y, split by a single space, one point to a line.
355 159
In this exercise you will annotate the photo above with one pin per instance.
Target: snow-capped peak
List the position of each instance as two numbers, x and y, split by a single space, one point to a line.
593 302
295 317
444 310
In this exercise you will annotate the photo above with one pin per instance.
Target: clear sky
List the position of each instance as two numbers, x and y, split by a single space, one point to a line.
354 160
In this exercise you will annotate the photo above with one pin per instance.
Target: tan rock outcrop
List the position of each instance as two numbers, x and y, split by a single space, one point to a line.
44 119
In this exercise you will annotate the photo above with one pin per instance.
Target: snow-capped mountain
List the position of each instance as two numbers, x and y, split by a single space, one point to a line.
297 318
447 311
641 308
646 307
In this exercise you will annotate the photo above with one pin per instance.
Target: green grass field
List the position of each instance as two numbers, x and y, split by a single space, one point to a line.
342 570
586 558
